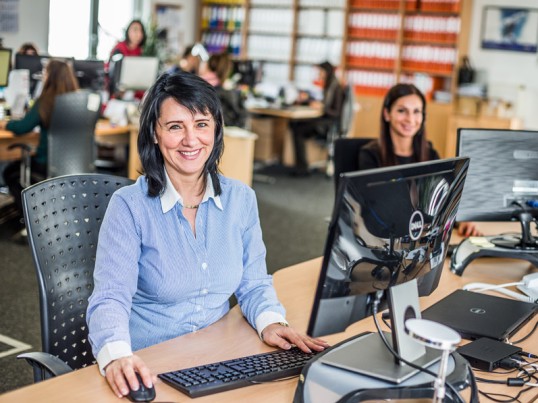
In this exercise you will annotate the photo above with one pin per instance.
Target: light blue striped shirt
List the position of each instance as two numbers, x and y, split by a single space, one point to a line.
154 280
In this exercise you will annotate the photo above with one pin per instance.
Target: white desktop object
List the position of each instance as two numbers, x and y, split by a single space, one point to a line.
138 72
438 336
19 86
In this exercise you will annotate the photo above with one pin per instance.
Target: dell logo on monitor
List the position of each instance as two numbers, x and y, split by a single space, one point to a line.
416 223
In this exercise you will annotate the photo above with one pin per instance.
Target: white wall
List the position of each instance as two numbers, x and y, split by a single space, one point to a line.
511 75
33 25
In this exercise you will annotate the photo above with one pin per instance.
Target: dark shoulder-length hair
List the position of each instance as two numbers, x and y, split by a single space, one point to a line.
420 143
197 96
144 36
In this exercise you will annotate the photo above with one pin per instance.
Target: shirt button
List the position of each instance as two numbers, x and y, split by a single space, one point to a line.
194 328
198 308
204 291
204 265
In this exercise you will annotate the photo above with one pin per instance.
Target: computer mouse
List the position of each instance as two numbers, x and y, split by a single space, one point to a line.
143 394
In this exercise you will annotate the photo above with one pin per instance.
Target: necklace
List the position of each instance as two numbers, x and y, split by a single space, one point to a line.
191 206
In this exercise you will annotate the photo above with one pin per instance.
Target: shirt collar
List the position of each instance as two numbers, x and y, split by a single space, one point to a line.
170 196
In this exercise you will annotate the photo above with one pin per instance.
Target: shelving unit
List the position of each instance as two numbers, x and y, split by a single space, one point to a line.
289 36
221 26
375 43
390 41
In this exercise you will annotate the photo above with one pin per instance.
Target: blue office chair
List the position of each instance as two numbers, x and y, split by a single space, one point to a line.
63 216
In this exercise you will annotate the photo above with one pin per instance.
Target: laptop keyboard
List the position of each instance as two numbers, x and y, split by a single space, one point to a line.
232 374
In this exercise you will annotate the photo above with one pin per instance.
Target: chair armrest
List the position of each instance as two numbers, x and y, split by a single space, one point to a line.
45 365
25 147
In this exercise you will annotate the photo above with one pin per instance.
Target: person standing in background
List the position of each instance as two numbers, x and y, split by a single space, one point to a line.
58 78
403 137
133 44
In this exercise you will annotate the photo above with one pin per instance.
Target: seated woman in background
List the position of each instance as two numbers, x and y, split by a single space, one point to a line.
188 62
216 72
58 78
333 96
403 137
133 44
28 48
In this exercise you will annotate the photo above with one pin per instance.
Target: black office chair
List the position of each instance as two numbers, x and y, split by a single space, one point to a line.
346 155
63 216
70 137
341 126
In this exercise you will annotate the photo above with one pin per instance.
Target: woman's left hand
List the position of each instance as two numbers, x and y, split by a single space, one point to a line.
468 228
282 336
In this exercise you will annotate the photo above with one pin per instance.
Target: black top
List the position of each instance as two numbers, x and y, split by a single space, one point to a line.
370 156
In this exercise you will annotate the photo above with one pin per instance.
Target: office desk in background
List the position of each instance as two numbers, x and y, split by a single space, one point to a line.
232 337
274 137
237 161
104 131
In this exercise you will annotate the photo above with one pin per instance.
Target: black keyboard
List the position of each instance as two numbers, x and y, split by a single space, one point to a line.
236 373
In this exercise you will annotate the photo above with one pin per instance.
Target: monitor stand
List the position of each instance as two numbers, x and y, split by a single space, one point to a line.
369 356
516 246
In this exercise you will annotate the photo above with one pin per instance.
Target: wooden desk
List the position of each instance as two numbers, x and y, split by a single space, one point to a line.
232 337
104 132
7 138
237 160
274 136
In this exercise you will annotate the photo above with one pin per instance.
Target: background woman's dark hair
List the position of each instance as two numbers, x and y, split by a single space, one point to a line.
328 68
60 78
420 144
144 36
198 96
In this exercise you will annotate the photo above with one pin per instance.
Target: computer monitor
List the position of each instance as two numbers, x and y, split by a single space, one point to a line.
90 74
5 64
35 64
502 179
137 72
247 72
389 226
502 185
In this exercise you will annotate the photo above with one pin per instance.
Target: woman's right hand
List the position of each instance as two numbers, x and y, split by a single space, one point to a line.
120 375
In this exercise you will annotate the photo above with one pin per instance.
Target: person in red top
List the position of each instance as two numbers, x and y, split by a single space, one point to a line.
133 44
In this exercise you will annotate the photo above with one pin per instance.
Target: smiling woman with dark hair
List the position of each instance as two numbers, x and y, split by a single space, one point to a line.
177 244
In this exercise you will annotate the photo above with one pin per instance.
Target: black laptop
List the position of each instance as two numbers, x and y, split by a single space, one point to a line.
474 315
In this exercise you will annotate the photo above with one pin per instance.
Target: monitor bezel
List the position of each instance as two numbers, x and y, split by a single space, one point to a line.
4 81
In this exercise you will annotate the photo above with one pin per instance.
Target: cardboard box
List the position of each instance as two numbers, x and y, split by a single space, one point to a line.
270 131
468 106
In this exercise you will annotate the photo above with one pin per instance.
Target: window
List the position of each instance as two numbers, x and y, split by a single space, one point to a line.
69 26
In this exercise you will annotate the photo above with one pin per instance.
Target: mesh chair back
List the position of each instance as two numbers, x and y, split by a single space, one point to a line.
346 115
71 133
63 216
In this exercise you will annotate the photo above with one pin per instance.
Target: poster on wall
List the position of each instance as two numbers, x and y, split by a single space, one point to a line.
514 29
9 16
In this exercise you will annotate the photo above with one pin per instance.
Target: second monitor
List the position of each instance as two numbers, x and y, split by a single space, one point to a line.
389 226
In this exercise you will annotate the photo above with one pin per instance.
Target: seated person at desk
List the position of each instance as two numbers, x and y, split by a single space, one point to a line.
132 45
333 96
58 78
28 48
147 292
188 62
403 137
219 67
